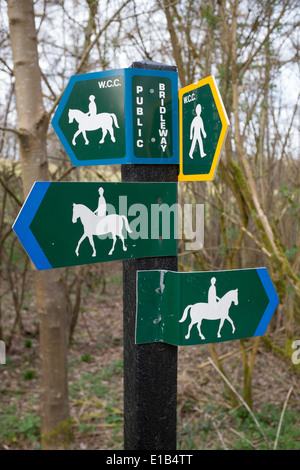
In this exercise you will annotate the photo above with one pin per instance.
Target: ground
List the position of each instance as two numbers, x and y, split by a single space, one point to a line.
207 419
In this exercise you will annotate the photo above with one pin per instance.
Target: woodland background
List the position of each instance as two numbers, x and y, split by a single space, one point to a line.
62 384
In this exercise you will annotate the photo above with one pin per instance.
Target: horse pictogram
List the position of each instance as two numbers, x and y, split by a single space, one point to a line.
213 310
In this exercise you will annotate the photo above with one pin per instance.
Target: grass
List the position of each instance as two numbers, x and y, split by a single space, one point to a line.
216 427
211 430
206 419
99 404
20 428
97 400
95 396
269 418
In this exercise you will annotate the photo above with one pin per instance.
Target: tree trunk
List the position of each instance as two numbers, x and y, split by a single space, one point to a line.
51 304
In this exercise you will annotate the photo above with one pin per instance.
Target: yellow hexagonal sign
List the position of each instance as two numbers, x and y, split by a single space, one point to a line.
203 125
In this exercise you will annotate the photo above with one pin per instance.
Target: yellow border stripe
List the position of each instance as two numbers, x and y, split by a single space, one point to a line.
225 122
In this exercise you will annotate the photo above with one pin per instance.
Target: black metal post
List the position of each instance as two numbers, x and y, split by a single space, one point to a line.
150 370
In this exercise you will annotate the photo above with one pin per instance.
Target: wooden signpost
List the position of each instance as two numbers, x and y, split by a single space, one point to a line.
150 370
130 117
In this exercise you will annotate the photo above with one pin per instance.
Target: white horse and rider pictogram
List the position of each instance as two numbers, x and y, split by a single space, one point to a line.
98 223
216 309
92 121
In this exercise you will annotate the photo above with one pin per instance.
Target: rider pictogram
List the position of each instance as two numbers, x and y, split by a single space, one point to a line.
101 209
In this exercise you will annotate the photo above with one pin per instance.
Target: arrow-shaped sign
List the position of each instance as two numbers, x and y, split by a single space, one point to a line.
203 125
185 308
72 223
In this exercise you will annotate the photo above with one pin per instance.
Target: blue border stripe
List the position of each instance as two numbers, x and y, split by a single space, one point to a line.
129 153
273 301
23 221
64 99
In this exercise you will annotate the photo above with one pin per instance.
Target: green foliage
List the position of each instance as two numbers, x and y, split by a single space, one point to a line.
60 437
28 343
292 197
98 394
209 16
86 358
18 427
269 417
29 374
215 427
205 432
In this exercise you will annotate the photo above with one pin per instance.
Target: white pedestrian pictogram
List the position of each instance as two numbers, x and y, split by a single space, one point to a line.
92 121
213 310
197 128
98 223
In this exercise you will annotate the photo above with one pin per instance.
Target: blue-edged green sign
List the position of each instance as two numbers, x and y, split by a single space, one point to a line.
186 308
67 224
120 116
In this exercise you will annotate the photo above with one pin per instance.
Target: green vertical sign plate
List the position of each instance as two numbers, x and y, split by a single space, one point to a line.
203 307
152 117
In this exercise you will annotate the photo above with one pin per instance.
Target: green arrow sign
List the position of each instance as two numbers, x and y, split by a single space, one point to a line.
120 116
69 224
203 307
203 124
